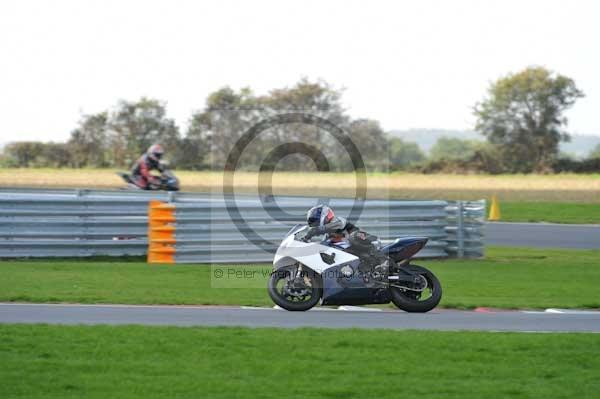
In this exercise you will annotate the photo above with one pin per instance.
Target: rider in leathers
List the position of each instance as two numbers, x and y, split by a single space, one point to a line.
140 173
342 234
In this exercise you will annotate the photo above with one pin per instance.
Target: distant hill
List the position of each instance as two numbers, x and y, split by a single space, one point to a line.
579 146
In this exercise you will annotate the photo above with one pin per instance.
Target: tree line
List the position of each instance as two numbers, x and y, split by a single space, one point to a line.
116 138
521 118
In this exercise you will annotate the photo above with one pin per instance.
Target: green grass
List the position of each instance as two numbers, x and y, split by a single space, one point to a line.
41 361
555 212
116 282
506 278
522 278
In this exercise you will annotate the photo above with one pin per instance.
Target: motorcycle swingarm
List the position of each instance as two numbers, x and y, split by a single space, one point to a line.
405 276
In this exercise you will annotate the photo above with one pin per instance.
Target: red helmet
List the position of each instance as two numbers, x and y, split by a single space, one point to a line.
155 152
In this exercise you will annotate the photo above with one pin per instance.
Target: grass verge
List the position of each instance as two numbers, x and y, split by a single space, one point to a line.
506 278
553 212
41 361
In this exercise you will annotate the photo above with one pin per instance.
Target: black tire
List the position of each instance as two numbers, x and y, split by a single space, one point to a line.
285 303
411 302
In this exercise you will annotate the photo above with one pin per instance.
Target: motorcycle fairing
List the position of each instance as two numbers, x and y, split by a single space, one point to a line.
339 288
404 248
309 253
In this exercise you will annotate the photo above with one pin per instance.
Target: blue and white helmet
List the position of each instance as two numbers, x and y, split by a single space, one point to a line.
319 216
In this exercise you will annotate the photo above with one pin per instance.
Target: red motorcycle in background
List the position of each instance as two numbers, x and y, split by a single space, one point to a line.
166 181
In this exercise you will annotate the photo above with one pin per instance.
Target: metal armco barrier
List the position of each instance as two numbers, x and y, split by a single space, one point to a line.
195 232
466 220
198 228
72 223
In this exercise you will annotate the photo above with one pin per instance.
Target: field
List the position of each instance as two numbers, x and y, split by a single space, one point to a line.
565 198
563 187
506 278
42 361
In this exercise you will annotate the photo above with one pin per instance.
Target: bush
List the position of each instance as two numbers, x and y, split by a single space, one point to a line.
485 159
589 165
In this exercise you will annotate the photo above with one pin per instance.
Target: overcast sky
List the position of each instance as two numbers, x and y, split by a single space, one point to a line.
408 64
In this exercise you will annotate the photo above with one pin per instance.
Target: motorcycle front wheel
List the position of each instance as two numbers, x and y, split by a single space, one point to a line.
292 292
418 299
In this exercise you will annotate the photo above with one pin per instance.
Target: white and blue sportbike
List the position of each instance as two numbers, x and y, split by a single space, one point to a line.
308 273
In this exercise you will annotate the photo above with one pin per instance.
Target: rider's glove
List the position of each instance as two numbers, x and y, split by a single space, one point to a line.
313 231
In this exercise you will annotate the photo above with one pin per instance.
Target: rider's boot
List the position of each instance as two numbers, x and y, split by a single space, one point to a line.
381 266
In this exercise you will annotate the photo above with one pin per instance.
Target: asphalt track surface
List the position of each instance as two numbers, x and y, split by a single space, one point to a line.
543 235
449 320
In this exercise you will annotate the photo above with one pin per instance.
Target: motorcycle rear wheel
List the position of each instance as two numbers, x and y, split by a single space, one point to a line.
414 302
293 299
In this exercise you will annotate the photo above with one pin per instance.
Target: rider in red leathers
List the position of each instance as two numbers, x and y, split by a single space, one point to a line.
140 173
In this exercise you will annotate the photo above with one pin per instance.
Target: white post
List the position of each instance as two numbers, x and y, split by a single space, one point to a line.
460 229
